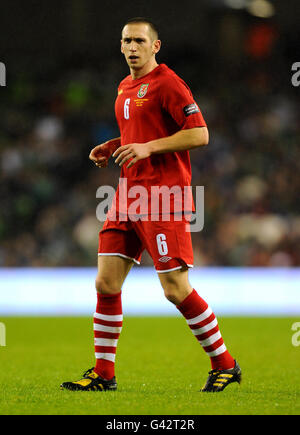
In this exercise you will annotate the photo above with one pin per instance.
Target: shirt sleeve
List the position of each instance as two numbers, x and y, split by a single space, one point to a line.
178 101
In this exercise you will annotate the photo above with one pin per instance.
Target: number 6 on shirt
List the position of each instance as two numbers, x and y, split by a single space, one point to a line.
162 244
126 108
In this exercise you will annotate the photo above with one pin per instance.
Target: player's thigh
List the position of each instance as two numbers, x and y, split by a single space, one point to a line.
176 285
112 272
119 248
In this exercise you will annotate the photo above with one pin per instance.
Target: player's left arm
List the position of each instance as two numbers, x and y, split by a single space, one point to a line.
183 140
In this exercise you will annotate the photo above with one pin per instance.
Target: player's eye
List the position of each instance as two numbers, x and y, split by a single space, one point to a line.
127 40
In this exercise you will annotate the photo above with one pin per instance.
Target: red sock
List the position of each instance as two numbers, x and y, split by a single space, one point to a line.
108 320
204 326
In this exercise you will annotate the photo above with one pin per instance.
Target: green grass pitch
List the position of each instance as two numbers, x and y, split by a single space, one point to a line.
160 368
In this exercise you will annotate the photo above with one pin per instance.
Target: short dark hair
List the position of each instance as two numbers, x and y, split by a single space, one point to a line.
144 21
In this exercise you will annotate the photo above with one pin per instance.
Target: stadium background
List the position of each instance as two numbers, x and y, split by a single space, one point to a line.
63 67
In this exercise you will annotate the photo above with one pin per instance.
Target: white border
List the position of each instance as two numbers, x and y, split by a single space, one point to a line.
174 268
119 255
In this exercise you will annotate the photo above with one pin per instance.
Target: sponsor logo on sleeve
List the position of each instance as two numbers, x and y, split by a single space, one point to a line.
190 109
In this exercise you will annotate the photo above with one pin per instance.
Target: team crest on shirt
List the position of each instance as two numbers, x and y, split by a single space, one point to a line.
143 90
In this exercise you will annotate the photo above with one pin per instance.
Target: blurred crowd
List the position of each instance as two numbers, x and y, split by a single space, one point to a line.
250 169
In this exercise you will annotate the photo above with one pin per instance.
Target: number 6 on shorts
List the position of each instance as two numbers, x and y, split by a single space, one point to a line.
162 244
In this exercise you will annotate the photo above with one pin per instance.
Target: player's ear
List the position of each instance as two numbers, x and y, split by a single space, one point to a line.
122 50
156 46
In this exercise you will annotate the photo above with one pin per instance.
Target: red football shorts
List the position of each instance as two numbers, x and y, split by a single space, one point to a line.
168 243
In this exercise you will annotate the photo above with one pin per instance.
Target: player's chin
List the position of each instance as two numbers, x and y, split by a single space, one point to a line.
133 64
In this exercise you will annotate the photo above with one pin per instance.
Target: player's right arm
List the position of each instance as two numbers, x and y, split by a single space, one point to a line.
101 153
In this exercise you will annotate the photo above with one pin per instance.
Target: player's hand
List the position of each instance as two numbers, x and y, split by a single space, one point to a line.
134 151
101 153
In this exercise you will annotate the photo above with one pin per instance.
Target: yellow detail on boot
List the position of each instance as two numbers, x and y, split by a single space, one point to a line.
83 382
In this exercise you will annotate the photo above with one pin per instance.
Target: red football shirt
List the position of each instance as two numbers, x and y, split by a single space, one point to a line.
154 106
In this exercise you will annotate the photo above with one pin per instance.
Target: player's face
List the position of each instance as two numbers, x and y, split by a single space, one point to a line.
138 46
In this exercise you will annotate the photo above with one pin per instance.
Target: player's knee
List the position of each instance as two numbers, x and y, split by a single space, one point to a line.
172 292
172 297
176 295
106 285
176 290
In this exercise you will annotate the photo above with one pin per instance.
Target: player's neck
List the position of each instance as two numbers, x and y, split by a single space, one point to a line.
141 72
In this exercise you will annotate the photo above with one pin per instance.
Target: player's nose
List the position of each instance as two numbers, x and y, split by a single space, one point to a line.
132 47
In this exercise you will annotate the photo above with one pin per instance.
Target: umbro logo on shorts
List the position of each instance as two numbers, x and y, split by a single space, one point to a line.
164 259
